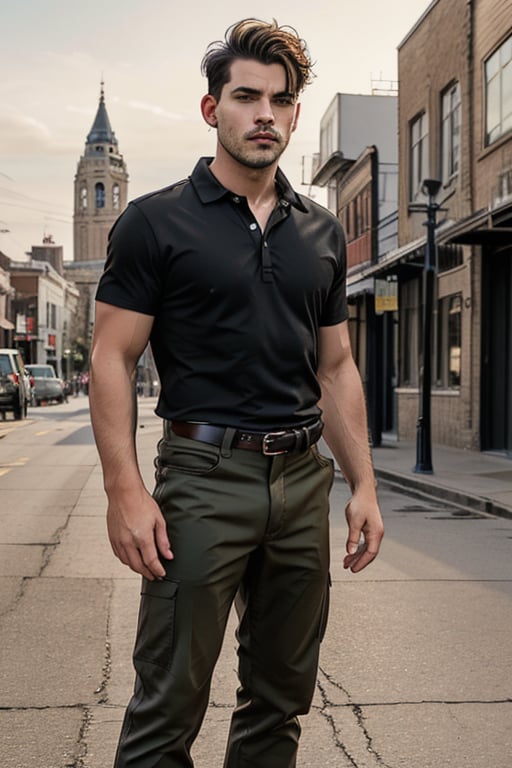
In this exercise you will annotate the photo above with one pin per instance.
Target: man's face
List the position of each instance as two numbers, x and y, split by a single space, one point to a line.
255 115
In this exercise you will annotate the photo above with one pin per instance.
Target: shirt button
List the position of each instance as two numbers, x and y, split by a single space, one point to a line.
236 199
253 226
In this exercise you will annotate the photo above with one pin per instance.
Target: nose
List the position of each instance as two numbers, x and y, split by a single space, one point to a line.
264 114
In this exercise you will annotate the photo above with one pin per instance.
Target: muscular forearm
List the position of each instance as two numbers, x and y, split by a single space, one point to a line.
136 526
113 416
345 429
346 434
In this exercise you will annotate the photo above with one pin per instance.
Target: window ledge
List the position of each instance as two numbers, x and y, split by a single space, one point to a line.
434 392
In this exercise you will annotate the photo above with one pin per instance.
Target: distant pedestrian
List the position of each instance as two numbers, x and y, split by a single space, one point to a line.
238 282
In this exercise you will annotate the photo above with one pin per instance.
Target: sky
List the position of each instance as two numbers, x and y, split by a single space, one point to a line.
54 54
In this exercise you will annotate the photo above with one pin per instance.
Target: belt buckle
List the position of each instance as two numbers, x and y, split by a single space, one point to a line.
266 450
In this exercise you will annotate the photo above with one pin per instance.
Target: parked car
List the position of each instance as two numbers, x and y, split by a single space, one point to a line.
14 383
47 385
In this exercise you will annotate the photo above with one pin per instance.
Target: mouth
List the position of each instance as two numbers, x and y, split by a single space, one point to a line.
263 138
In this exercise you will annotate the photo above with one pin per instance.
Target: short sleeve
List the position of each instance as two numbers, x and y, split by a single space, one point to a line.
336 310
133 276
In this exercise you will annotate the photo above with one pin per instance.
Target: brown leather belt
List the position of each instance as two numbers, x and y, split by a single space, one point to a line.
268 443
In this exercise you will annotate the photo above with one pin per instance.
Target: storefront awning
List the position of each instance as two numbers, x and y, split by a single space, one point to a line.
334 164
496 237
358 282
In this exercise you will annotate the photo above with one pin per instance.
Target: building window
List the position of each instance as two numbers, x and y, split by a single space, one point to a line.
83 197
115 197
450 132
419 154
51 315
448 342
449 257
100 195
498 91
410 306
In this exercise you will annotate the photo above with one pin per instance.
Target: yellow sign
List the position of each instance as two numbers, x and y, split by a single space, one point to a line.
386 295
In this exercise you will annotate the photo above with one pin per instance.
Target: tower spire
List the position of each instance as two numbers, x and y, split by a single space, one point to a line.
101 131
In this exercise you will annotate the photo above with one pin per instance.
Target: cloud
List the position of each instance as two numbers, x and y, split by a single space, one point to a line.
23 134
154 109
80 110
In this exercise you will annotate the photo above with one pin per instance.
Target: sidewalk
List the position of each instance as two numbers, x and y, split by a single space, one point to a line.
479 481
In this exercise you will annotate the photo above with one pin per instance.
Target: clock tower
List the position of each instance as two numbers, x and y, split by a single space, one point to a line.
101 189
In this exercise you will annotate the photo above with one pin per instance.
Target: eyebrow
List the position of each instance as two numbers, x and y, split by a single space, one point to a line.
257 92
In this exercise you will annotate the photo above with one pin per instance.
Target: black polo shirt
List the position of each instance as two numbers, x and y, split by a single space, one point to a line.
237 311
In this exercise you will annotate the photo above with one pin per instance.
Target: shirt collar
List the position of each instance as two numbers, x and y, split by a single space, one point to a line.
209 189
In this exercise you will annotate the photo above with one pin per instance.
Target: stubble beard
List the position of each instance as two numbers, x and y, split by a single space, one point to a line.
266 156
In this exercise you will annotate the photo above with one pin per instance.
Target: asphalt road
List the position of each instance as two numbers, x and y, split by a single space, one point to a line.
416 665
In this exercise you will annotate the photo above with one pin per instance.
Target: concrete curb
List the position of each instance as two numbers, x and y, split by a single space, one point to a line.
478 503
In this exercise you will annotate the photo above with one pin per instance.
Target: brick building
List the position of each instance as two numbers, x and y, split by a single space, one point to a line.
434 142
455 126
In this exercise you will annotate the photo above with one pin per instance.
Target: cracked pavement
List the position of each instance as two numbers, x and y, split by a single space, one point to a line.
415 668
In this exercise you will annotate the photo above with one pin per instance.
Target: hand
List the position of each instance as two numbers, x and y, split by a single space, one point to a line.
366 530
138 534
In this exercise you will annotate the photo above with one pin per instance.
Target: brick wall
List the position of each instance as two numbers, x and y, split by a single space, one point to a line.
433 56
493 24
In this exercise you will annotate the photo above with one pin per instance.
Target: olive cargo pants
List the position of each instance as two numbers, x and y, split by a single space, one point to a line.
241 525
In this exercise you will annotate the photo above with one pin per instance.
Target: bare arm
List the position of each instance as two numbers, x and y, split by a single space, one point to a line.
346 434
136 526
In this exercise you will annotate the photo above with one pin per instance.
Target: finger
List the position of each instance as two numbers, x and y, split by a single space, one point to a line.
354 539
132 557
162 540
366 552
359 561
354 532
150 558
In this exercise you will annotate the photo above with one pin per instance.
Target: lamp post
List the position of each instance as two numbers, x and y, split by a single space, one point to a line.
430 187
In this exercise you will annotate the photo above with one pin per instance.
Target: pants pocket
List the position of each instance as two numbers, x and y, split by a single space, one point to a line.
190 457
155 632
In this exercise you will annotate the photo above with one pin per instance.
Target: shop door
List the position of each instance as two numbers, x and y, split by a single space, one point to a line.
496 406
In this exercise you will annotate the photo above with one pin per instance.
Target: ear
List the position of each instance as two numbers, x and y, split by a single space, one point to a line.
208 107
296 116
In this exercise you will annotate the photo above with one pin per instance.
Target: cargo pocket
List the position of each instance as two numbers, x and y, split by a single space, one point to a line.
155 631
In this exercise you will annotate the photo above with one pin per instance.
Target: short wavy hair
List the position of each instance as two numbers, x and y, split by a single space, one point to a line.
265 42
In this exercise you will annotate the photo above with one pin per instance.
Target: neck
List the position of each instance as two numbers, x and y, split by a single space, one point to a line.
256 184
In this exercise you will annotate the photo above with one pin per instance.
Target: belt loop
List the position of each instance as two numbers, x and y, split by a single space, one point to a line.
227 441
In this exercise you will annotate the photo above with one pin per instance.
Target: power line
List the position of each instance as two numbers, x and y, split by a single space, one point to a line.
30 208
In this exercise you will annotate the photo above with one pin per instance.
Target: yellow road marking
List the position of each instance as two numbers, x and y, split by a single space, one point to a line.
45 432
17 463
4 471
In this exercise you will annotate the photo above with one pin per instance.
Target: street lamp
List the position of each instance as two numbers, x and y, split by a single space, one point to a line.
430 188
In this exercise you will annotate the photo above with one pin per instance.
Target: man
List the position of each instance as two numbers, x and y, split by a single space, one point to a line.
239 285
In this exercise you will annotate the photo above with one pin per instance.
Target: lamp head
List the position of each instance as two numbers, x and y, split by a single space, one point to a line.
431 187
